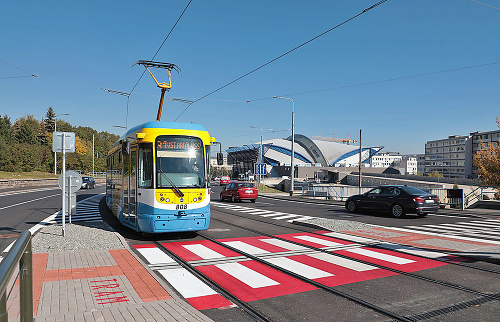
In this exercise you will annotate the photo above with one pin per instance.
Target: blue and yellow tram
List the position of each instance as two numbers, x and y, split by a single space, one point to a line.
158 177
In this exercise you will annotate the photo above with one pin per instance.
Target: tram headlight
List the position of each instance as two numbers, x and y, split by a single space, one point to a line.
195 199
167 200
162 199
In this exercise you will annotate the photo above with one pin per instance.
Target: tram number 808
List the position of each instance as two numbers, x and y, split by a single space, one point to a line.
181 207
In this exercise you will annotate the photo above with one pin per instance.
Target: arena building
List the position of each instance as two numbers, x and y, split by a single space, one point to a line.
308 153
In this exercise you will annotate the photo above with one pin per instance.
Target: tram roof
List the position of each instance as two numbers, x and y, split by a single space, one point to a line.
164 125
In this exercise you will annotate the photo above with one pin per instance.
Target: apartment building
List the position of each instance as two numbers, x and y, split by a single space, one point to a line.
451 157
406 164
484 138
420 164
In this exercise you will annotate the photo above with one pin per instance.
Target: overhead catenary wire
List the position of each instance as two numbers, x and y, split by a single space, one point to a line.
16 77
283 55
168 35
24 70
382 81
484 4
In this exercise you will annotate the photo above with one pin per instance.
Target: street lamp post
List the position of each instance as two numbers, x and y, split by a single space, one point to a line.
55 130
292 170
260 150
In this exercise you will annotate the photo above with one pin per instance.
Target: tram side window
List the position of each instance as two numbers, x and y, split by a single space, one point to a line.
207 163
145 168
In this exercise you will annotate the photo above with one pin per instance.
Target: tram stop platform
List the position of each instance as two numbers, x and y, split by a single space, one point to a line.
90 274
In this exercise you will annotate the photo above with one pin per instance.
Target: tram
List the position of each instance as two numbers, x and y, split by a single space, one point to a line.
157 177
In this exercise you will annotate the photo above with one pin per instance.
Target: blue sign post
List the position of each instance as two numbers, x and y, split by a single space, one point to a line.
260 169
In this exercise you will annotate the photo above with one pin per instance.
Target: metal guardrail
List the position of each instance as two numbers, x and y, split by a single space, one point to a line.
482 193
20 254
332 192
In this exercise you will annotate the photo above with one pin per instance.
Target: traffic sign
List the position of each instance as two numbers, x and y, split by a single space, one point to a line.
73 181
63 139
260 169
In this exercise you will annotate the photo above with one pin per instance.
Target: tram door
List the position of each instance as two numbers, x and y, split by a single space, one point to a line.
129 187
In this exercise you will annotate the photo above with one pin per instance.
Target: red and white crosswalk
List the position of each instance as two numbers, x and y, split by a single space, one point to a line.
250 280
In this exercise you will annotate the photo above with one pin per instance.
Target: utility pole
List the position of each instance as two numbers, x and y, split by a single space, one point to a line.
93 154
359 165
292 156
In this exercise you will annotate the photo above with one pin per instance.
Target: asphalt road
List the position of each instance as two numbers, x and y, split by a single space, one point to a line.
22 208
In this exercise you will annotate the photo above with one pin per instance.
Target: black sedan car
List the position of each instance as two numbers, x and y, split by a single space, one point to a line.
398 200
88 183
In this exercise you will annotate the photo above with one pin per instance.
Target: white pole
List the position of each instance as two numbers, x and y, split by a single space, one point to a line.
260 157
293 144
70 206
92 154
292 156
55 153
63 174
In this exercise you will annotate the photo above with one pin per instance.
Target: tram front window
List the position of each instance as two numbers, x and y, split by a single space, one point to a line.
179 162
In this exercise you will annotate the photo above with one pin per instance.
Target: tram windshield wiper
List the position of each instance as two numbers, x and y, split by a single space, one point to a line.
171 183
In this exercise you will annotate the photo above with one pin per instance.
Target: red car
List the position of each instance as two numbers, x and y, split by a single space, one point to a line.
224 180
237 191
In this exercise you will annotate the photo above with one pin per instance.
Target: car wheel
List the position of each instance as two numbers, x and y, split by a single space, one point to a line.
233 199
422 215
221 197
351 206
252 200
397 211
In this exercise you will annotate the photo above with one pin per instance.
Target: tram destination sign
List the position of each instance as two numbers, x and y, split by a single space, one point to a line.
178 144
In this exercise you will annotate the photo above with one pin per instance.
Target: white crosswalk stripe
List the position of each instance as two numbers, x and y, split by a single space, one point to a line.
86 210
487 231
277 215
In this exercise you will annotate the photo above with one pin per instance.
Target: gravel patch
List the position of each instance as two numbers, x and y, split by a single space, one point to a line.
337 225
80 236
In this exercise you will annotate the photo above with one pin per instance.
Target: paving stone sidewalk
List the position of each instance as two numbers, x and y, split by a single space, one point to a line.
91 275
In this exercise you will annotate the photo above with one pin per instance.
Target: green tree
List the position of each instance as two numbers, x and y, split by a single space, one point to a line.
6 128
50 120
26 130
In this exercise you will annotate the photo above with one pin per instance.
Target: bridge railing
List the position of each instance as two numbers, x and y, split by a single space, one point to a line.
18 260
332 192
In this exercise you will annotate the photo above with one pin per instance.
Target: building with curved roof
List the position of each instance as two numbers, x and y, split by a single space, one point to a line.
308 152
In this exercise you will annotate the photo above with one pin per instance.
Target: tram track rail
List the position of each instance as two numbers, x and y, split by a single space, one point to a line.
253 312
374 245
190 268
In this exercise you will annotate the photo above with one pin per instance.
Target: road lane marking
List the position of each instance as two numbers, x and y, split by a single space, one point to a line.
344 262
246 275
442 233
381 256
11 193
155 256
246 248
286 217
28 201
316 240
186 283
283 244
298 268
203 251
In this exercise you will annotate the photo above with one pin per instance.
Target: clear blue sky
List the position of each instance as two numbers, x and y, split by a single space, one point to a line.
79 47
